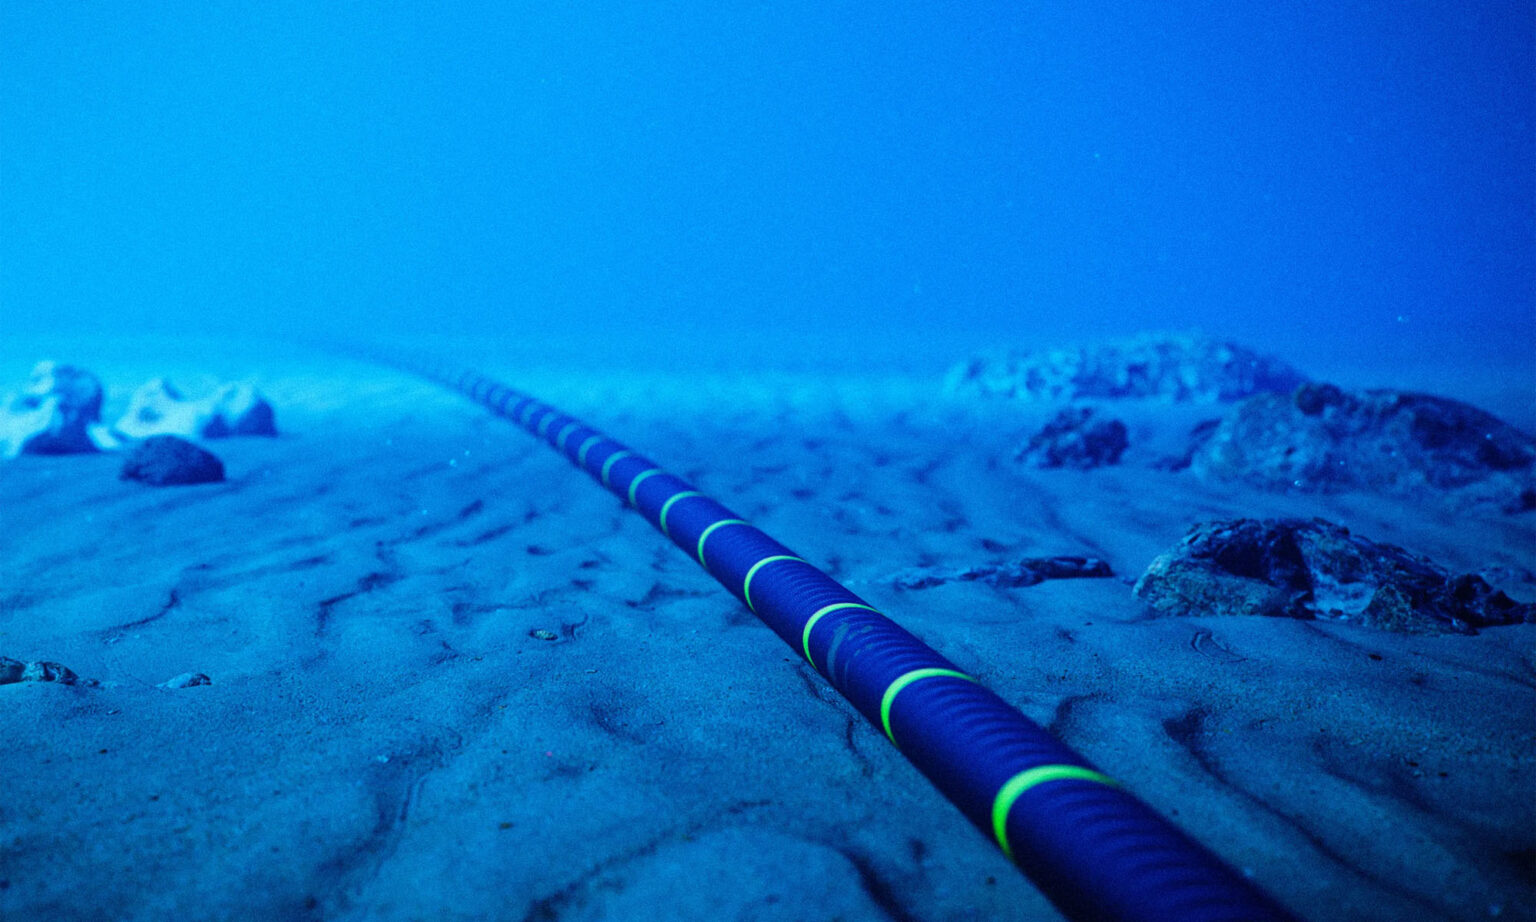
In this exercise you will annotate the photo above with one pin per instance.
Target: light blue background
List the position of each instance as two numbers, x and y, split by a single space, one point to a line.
1300 176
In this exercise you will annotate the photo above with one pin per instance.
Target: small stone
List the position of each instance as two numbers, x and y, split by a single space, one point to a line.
11 670
1025 572
49 672
14 670
186 680
539 633
166 460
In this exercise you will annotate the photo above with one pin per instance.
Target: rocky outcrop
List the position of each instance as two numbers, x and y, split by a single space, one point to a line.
1314 569
157 408
1075 438
1319 438
166 460
57 413
1162 366
1025 572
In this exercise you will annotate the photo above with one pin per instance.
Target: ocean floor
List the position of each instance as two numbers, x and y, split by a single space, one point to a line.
452 678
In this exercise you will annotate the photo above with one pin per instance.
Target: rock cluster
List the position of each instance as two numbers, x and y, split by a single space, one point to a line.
1312 568
59 412
1320 438
1076 439
1163 366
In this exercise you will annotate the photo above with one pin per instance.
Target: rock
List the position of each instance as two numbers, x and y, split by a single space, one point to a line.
55 414
1025 572
157 408
14 670
1301 568
1165 366
186 680
166 460
1320 438
1075 439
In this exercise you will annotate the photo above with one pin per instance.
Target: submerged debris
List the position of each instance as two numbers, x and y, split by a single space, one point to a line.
1312 568
1171 367
165 460
1320 438
1025 572
1075 439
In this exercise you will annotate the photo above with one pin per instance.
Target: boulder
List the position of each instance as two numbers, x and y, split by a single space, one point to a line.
166 460
57 413
157 408
1319 438
1074 438
1164 366
1315 569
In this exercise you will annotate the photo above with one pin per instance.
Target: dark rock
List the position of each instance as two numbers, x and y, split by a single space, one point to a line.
1075 439
166 460
1299 568
1320 438
1164 366
1026 572
56 414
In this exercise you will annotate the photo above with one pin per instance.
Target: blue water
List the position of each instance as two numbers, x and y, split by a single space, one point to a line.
1328 177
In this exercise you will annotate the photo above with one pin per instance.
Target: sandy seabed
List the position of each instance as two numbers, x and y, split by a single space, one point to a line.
454 679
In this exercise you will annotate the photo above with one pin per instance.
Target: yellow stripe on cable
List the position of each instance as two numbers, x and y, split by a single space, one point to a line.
633 484
746 584
902 681
711 528
805 636
613 459
666 506
565 431
1015 787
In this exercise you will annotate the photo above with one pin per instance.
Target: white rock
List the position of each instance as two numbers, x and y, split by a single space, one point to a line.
157 408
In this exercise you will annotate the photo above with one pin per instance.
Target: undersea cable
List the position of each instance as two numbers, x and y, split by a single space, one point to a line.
1094 849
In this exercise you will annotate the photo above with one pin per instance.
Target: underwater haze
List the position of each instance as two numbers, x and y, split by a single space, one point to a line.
1315 179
